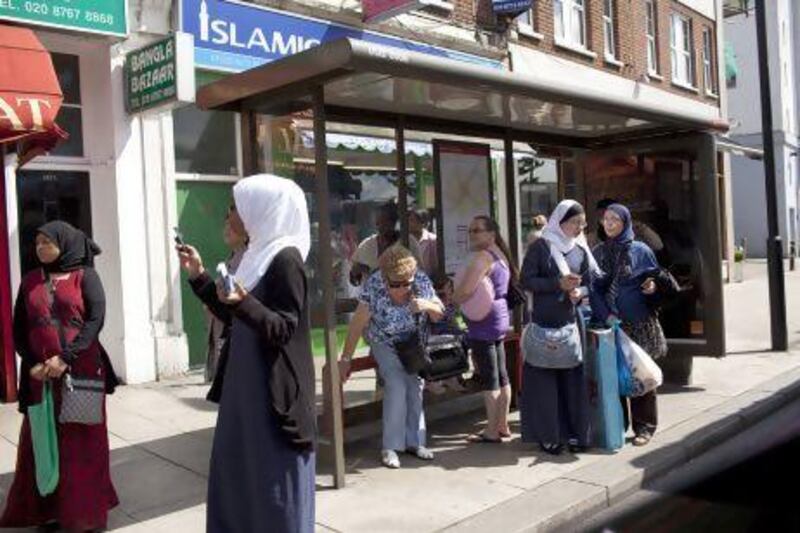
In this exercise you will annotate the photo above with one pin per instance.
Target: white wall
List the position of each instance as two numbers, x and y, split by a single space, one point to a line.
740 32
745 115
132 206
749 199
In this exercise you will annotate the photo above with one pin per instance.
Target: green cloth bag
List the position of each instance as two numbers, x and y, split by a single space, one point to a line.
42 420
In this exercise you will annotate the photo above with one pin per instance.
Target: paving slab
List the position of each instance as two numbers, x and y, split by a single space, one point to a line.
561 499
148 485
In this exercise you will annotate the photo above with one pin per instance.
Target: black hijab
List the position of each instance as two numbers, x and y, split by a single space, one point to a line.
77 250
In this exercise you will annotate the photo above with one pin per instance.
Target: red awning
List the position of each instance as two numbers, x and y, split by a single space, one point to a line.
30 95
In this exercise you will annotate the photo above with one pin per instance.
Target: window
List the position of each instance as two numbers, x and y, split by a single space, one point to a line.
610 47
205 142
70 116
652 39
682 51
526 21
570 21
709 80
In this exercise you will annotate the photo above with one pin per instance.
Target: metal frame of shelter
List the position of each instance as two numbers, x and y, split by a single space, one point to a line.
361 83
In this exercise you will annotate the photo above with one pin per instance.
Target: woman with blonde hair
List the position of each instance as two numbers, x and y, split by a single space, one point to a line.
395 302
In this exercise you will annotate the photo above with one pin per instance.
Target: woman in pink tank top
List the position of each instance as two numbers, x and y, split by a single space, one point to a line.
490 260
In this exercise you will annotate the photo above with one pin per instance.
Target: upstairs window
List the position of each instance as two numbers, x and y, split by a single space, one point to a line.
709 80
652 37
570 22
609 43
682 51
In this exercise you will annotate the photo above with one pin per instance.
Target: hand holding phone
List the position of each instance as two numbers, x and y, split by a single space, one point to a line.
179 242
228 283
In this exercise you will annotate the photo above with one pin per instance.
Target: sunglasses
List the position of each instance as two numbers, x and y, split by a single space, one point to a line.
399 284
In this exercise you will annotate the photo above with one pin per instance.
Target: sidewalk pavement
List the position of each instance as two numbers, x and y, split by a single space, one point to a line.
161 441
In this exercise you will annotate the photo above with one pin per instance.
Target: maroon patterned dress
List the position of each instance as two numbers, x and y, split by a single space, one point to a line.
85 492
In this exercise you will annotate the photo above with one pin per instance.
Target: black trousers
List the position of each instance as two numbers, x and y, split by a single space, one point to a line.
643 413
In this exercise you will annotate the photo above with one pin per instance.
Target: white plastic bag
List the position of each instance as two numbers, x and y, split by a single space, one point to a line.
647 375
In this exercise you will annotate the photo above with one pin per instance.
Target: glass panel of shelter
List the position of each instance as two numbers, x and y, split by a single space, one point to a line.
665 194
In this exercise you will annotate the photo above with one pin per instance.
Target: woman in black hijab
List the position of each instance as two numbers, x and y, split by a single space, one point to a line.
58 315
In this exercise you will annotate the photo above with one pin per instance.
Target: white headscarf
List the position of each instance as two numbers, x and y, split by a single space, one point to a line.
561 244
275 216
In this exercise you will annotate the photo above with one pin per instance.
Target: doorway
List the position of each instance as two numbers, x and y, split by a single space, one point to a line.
45 195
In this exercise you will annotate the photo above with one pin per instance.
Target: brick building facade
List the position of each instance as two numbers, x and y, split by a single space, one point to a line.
630 40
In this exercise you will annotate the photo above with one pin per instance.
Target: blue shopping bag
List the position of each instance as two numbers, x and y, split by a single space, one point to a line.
600 366
626 383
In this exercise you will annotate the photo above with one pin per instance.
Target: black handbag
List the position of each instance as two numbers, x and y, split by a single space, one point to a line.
82 398
448 357
668 291
515 295
412 350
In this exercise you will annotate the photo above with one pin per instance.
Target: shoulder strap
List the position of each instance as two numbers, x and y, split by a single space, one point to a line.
54 319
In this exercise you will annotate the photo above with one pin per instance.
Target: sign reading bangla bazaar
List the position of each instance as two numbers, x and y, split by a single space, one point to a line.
160 73
235 36
92 16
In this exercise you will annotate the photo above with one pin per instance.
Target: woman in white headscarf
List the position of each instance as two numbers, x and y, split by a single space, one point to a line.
558 269
262 475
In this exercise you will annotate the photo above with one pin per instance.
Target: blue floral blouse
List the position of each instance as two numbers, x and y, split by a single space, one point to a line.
390 322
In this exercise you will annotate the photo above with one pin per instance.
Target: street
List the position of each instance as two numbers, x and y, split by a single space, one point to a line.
742 486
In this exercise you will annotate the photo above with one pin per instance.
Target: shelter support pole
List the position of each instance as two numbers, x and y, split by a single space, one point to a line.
249 143
333 403
511 203
777 290
402 185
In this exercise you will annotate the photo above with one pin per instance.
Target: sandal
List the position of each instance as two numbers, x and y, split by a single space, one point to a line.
482 438
552 449
421 452
642 439
389 459
575 447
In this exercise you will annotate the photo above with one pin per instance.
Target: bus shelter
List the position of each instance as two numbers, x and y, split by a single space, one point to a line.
660 160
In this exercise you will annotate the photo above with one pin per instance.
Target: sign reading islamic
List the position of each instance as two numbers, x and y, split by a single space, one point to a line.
92 16
160 73
234 36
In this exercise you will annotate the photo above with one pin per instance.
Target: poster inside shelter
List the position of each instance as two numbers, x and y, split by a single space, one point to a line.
464 183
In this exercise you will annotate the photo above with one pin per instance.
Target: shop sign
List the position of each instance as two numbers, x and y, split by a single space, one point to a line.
21 112
378 10
160 73
511 7
234 36
92 16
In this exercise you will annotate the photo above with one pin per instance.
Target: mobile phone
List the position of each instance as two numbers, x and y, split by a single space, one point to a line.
227 280
179 237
